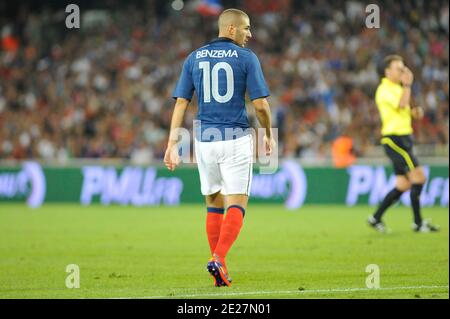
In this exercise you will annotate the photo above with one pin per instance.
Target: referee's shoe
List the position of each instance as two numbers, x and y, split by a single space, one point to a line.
378 225
425 227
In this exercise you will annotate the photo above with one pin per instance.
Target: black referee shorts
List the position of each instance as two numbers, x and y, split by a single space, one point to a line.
399 148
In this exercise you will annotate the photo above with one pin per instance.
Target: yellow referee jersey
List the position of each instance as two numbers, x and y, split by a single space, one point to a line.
395 120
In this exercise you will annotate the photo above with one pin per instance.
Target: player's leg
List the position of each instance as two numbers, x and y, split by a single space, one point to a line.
417 178
232 224
236 172
402 184
397 156
211 183
231 227
214 218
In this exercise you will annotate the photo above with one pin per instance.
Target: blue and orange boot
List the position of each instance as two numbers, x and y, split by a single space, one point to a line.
218 272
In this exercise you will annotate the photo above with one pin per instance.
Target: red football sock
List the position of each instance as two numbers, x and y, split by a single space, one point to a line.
231 227
214 219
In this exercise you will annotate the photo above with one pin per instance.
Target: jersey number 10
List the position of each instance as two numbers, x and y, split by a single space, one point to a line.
211 81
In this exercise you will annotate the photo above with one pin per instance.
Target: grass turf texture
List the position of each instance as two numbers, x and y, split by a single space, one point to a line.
315 252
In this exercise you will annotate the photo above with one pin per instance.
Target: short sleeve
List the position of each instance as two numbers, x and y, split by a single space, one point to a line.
256 85
185 85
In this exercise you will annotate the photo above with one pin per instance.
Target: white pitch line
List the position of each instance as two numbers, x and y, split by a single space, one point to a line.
283 292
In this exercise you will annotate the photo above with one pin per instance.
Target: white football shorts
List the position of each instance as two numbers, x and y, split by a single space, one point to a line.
225 166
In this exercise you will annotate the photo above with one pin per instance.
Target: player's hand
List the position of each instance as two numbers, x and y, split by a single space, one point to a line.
417 113
407 77
171 157
269 145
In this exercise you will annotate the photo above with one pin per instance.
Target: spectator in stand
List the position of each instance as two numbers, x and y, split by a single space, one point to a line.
104 90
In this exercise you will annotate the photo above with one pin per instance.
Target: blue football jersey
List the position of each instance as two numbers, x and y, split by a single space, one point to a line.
221 73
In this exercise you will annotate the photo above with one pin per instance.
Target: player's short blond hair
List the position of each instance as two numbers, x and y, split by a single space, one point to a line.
229 15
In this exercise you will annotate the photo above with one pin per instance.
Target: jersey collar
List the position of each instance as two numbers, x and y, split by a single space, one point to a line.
389 82
222 39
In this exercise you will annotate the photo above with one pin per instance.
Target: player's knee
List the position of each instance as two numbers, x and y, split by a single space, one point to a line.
403 185
418 177
237 199
214 200
407 187
421 179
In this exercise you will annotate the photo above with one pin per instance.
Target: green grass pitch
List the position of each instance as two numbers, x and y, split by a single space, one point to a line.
161 252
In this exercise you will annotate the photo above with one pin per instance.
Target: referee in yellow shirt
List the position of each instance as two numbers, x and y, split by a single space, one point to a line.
393 101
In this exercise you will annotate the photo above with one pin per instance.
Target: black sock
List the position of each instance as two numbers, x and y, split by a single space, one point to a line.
390 199
416 189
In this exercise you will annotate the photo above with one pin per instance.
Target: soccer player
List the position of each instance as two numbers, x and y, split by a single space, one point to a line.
393 101
221 72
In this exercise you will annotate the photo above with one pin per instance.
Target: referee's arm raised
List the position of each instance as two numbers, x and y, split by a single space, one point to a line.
407 79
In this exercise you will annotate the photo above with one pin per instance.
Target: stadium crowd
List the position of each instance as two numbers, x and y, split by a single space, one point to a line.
104 90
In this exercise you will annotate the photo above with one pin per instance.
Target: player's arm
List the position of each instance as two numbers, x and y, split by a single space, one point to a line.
183 94
171 157
407 80
263 114
258 91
